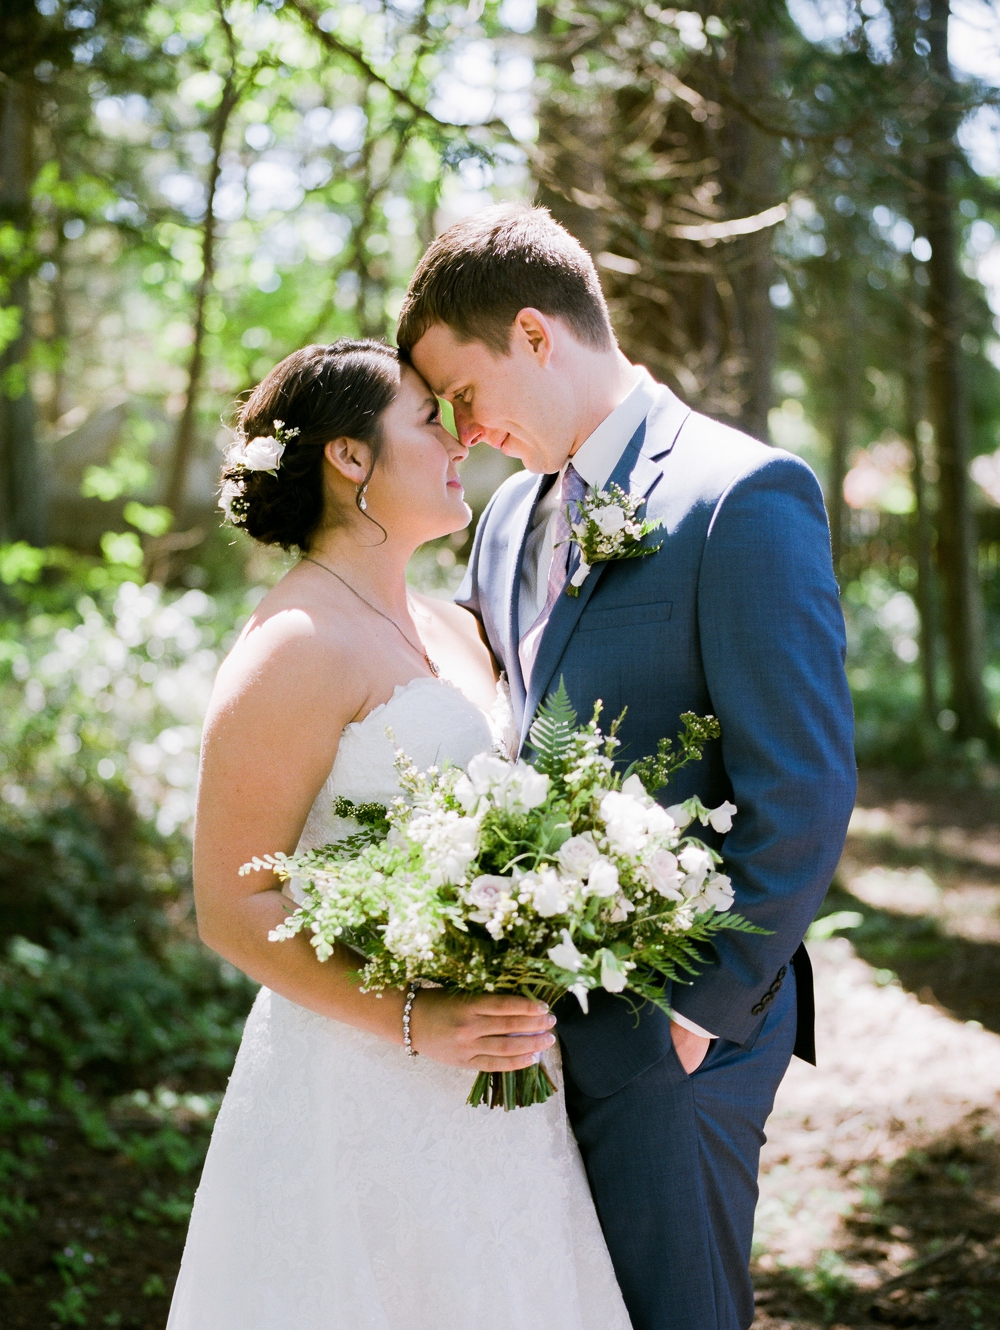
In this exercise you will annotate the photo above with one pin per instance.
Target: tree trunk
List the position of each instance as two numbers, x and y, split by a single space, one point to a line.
948 406
918 432
184 440
750 178
22 484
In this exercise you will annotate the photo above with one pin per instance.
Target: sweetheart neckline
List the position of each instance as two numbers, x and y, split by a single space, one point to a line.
402 688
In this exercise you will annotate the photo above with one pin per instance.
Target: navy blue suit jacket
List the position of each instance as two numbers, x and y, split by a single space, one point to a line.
737 616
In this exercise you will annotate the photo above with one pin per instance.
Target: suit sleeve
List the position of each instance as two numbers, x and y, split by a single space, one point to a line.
771 633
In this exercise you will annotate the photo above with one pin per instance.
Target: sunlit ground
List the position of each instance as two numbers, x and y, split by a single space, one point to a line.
880 1193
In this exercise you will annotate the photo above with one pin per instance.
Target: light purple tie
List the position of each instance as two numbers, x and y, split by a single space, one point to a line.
571 492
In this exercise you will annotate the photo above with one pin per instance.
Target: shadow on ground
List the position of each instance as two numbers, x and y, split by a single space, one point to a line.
924 1251
957 974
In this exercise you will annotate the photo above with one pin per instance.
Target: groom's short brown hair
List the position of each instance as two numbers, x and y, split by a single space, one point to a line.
479 273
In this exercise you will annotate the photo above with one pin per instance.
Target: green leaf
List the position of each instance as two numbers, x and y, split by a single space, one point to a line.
151 521
552 731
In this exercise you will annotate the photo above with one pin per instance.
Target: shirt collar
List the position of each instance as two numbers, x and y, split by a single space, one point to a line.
597 457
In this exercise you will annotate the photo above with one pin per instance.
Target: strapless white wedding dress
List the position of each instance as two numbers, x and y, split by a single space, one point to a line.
349 1187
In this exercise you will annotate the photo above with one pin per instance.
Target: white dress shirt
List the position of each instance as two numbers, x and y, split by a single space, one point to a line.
595 461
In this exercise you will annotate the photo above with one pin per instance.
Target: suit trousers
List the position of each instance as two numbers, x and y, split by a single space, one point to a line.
672 1161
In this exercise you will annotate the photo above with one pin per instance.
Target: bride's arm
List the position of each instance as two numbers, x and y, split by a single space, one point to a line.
279 706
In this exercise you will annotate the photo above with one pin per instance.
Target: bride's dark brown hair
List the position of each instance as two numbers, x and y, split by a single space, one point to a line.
324 392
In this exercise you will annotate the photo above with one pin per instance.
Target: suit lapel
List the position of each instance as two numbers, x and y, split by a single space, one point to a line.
636 474
520 528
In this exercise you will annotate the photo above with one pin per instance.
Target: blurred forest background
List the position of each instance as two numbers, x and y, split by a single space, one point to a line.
794 209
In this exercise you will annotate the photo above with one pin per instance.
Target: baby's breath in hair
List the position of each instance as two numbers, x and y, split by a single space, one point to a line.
262 453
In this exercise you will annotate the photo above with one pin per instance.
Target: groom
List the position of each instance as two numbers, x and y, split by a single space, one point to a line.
737 615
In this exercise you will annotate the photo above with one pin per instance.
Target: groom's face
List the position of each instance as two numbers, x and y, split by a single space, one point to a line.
507 401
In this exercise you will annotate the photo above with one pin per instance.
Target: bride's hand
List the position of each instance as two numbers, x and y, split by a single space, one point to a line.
494 1032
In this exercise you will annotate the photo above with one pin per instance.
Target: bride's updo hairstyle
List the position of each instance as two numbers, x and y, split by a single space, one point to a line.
272 478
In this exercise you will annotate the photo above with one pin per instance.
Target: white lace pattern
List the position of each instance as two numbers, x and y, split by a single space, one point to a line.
348 1187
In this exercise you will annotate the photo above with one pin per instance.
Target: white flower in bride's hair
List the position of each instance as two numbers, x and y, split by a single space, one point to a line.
231 489
262 454
721 818
609 521
565 955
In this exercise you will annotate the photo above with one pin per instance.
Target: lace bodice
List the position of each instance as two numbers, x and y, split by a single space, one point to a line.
428 718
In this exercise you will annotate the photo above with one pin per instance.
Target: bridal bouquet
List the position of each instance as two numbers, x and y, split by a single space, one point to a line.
544 878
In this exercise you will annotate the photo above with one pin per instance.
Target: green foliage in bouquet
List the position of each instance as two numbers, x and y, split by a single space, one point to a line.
554 877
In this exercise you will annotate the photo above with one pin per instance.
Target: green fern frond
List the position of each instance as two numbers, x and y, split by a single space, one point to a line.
552 731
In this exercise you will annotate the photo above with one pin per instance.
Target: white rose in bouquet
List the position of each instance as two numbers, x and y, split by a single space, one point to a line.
625 820
487 892
449 843
663 871
577 855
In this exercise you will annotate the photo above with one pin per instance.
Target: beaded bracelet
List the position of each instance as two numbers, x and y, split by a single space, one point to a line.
411 993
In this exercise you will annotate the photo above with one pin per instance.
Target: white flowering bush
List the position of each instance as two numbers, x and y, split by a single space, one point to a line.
117 697
554 877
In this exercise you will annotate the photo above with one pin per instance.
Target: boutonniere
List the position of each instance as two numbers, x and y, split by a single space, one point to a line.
608 528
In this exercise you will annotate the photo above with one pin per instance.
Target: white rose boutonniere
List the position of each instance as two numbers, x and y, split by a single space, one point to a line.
608 528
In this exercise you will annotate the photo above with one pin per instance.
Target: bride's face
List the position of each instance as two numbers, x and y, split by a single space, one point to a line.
415 489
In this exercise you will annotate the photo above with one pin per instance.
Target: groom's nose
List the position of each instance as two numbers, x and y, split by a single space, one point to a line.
470 432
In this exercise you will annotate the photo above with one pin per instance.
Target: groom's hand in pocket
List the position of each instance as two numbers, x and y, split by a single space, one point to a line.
494 1032
690 1048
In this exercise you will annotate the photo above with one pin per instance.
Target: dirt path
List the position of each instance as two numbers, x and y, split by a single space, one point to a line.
880 1180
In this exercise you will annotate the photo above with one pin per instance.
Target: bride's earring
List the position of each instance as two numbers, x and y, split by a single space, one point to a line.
362 501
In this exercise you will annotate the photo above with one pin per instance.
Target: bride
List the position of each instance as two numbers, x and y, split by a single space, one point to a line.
348 1186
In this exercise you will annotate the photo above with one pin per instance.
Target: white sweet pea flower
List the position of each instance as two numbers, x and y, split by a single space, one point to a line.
565 955
523 789
485 772
579 991
603 880
577 855
581 574
664 874
721 818
609 521
614 975
548 894
680 816
718 893
449 844
262 454
465 792
623 908
658 821
697 865
633 786
625 819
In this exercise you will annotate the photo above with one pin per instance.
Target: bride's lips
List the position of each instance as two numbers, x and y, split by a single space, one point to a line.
455 485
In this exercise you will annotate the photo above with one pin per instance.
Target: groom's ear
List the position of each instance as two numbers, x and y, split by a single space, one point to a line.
534 332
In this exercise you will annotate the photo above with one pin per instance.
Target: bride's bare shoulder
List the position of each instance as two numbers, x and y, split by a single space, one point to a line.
294 643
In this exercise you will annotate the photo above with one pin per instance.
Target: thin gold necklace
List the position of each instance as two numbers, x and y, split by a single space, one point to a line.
431 665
